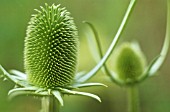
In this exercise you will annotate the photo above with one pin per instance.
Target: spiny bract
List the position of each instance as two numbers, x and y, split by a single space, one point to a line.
51 47
129 62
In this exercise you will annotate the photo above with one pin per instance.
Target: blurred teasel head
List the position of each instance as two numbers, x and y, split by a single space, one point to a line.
129 63
51 45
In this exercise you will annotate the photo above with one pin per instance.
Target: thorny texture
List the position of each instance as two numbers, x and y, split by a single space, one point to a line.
51 48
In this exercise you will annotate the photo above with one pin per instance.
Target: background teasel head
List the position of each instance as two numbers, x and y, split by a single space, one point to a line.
51 47
129 63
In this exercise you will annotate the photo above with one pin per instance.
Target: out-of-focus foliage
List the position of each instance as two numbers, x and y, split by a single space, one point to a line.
146 24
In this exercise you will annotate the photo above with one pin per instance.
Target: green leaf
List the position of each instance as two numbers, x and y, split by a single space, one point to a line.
7 75
58 96
147 72
88 85
18 93
25 91
80 93
94 43
19 74
22 89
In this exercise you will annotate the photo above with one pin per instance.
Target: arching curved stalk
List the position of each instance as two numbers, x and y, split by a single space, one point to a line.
112 46
99 51
165 47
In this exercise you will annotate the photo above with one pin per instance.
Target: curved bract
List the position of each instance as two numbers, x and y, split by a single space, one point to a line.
51 47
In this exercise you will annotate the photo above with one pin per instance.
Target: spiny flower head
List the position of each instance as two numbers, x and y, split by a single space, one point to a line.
129 62
51 47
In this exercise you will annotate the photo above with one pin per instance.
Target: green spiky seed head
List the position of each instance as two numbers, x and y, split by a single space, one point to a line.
51 47
129 62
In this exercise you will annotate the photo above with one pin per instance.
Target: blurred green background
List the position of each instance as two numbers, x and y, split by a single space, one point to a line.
146 24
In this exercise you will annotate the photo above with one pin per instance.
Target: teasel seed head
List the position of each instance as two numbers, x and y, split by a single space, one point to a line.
51 46
129 62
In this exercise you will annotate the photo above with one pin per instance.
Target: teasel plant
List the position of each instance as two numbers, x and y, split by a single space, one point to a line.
130 65
50 60
45 75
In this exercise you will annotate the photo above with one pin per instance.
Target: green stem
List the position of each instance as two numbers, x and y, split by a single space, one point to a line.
50 104
133 99
112 46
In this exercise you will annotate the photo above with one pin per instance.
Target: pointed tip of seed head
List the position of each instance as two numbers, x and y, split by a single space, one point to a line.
37 11
46 4
56 6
